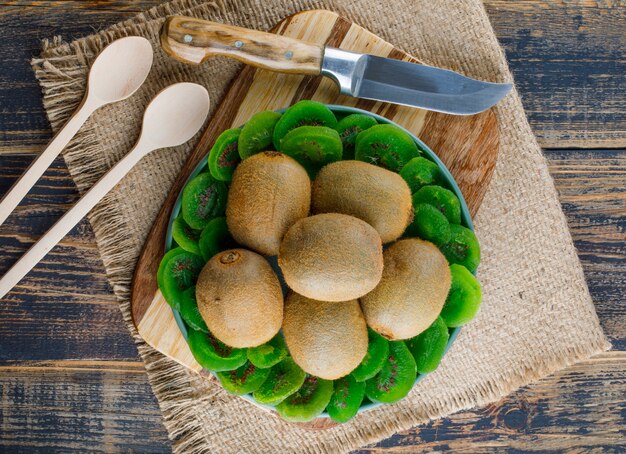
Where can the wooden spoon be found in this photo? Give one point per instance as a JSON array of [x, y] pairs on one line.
[[117, 73], [173, 117]]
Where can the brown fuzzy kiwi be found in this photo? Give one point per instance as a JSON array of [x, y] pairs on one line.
[[268, 193], [239, 298], [412, 292], [378, 196], [331, 257], [326, 339]]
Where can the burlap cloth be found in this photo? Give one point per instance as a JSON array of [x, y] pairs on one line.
[[536, 317]]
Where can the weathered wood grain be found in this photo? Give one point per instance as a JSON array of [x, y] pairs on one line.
[[79, 406], [571, 77]]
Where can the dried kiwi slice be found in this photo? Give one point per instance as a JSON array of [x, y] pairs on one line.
[[463, 299], [419, 172], [177, 272], [463, 247], [224, 156], [308, 401], [303, 113], [270, 353], [396, 378], [244, 379], [377, 351], [346, 399], [442, 199], [185, 236], [285, 378], [429, 224], [387, 146], [215, 238], [203, 199], [256, 135], [349, 127], [312, 146], [189, 311], [212, 354], [429, 346]]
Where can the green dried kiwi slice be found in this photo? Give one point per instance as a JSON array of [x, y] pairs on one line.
[[386, 146], [349, 127], [215, 238], [313, 146], [203, 199], [429, 224], [396, 378], [285, 378], [243, 380], [189, 311], [256, 135], [177, 272], [214, 355], [270, 353], [185, 236], [463, 299], [429, 346], [346, 399], [307, 402], [377, 351], [303, 113], [441, 198], [420, 172], [224, 156], [463, 247]]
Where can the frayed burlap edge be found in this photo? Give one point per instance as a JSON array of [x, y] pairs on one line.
[[61, 71]]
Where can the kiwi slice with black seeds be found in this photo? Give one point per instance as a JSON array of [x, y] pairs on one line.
[[308, 401], [349, 128], [178, 270], [346, 399], [463, 299], [203, 199], [185, 236], [213, 354], [387, 146], [429, 346], [285, 378], [303, 113], [256, 135], [244, 379], [224, 156], [377, 352], [312, 146], [396, 378], [270, 353]]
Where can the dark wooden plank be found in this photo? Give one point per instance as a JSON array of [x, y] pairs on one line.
[[79, 406], [64, 308], [578, 409], [568, 61]]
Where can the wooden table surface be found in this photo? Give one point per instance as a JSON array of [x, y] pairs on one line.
[[70, 376]]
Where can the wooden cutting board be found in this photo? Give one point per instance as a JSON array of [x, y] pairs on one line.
[[467, 145]]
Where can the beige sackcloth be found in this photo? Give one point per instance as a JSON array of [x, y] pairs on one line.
[[536, 316]]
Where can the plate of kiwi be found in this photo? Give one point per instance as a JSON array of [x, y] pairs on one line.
[[320, 261]]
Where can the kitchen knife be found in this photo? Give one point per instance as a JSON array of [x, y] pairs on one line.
[[193, 40]]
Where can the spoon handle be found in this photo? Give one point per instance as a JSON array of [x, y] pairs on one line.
[[21, 187], [69, 220]]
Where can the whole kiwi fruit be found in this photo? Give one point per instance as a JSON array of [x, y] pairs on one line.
[[331, 257], [240, 298], [268, 193], [378, 196], [412, 291], [326, 339]]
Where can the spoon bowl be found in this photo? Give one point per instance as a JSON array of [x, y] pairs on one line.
[[175, 115], [120, 69]]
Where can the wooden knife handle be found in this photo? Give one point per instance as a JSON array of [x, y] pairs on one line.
[[194, 40]]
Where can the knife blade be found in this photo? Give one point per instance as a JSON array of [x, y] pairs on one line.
[[359, 75]]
